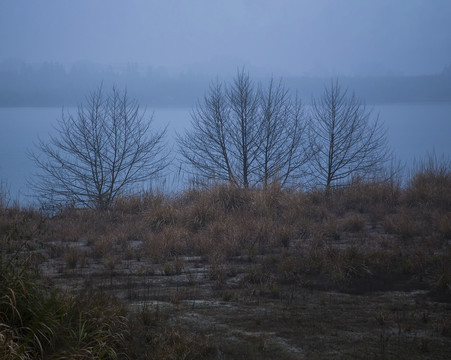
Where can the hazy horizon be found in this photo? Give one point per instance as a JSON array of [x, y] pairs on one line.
[[178, 47], [284, 38]]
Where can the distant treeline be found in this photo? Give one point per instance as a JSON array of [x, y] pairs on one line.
[[51, 84]]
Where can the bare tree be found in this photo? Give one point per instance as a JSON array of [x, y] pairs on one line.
[[207, 146], [222, 144], [346, 141], [283, 151], [244, 127], [246, 136], [100, 153]]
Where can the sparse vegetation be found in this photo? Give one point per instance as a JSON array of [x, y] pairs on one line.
[[224, 272]]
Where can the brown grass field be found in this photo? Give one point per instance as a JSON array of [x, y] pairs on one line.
[[361, 272]]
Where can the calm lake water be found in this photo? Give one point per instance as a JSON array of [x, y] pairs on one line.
[[413, 131]]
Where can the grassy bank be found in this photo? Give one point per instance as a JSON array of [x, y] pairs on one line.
[[296, 268]]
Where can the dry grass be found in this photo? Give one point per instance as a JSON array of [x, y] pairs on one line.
[[36, 323], [234, 245]]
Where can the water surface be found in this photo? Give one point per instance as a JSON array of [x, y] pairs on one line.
[[413, 131]]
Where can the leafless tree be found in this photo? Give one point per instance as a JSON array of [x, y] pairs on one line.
[[345, 139], [103, 151], [223, 141], [244, 127], [206, 146], [283, 151], [246, 136]]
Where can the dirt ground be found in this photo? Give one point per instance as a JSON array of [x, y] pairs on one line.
[[240, 317]]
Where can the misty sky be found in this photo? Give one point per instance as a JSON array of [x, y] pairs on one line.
[[320, 37]]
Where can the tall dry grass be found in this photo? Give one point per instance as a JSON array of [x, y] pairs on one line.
[[366, 236], [38, 322]]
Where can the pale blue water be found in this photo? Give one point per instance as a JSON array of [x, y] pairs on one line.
[[417, 129], [413, 131]]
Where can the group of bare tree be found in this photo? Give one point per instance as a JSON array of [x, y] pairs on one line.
[[246, 135], [251, 135], [241, 133]]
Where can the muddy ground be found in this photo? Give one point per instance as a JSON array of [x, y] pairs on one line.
[[237, 315]]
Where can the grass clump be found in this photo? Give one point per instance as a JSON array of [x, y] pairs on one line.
[[39, 323], [430, 184]]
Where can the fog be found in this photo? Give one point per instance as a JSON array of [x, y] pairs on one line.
[[395, 55], [211, 37]]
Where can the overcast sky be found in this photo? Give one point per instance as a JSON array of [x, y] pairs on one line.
[[317, 37]]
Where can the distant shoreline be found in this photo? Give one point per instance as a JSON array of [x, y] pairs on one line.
[[52, 86]]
